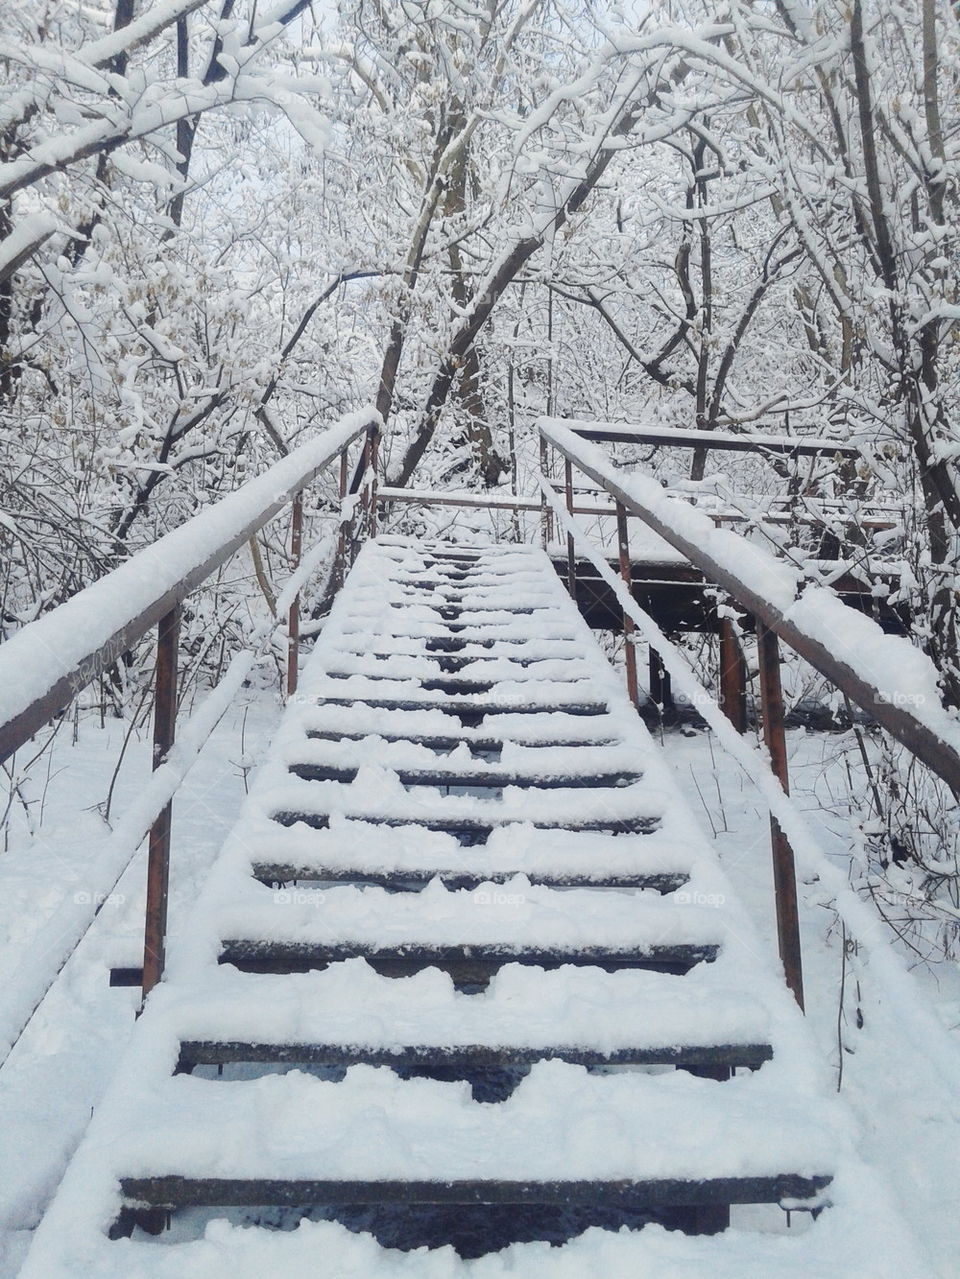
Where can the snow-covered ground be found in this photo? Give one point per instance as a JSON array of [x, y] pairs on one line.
[[58, 1070], [909, 1118]]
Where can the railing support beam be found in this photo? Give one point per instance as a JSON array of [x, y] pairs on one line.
[[661, 690], [784, 873], [571, 551], [546, 514], [629, 628], [158, 856], [371, 460], [733, 676], [293, 620]]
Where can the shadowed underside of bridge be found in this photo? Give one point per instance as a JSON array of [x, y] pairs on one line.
[[466, 971]]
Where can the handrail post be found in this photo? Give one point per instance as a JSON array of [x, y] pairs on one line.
[[341, 559], [630, 652], [571, 554], [546, 512], [733, 675], [371, 457], [158, 857], [661, 688], [293, 621], [784, 873], [355, 489]]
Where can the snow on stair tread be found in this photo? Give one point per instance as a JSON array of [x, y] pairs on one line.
[[483, 779], [394, 544], [375, 1126], [348, 845], [564, 712], [382, 647], [404, 626], [530, 763], [378, 795], [526, 1007], [469, 589], [475, 608], [537, 696], [481, 661], [533, 585], [456, 683], [865, 1246], [429, 722], [526, 918], [421, 666], [379, 600]]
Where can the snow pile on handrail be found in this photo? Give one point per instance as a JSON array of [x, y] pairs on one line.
[[78, 639], [888, 672], [835, 889]]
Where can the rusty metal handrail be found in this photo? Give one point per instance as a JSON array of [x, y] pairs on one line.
[[89, 632], [44, 665], [889, 970], [739, 566]]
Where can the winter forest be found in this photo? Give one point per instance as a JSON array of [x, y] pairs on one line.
[[225, 224]]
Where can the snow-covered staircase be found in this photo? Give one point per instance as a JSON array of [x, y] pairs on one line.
[[462, 933]]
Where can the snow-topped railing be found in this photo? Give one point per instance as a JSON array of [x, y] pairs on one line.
[[44, 665], [914, 1013], [886, 675]]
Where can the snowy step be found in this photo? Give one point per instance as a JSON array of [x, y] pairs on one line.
[[458, 596], [479, 746], [476, 779], [449, 673], [468, 583], [465, 707], [470, 830], [444, 643], [452, 602], [466, 965], [174, 1191], [518, 688], [630, 809], [398, 723], [872, 1248], [348, 1013], [423, 660], [381, 649], [477, 584], [298, 1140], [452, 685], [529, 764], [431, 629], [346, 870], [409, 856], [467, 615], [465, 932], [467, 1058]]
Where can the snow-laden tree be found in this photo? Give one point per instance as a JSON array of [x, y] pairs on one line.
[[141, 305]]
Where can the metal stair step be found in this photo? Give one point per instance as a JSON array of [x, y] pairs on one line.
[[474, 780], [467, 965], [472, 831], [405, 879], [715, 1057]]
